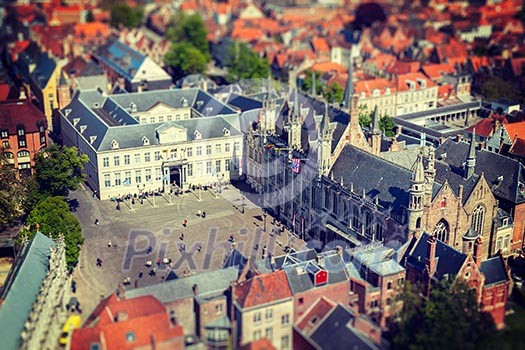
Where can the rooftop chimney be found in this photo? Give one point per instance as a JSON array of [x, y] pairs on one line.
[[478, 245]]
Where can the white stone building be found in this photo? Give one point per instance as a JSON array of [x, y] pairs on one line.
[[153, 140]]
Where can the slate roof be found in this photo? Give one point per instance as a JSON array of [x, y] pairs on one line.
[[121, 58], [182, 288], [449, 260], [243, 103], [301, 275], [21, 289], [388, 182], [235, 259], [334, 332], [492, 165], [16, 112], [106, 118], [494, 271], [43, 70]]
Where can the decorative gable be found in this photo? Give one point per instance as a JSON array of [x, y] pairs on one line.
[[145, 141], [171, 133], [114, 144], [197, 135]]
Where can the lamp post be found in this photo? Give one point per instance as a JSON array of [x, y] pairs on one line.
[[264, 220]]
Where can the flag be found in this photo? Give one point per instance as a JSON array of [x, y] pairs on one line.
[[126, 182], [296, 165]]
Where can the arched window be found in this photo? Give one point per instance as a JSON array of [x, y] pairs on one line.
[[478, 215], [418, 223], [9, 155], [441, 231], [379, 232], [369, 227], [23, 154], [355, 218]]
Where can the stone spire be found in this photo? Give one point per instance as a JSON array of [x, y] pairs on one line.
[[325, 122], [314, 78], [326, 130], [375, 138], [470, 166], [294, 123], [416, 197], [349, 91]]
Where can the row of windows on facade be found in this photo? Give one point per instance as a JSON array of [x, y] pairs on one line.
[[160, 118], [173, 154], [229, 165], [20, 131], [22, 142], [268, 315]]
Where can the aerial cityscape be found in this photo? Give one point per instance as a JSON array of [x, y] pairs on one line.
[[262, 174]]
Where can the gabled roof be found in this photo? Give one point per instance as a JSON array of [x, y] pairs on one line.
[[20, 112], [335, 333], [388, 182], [207, 282], [502, 173], [43, 71], [494, 270], [449, 260], [128, 324], [262, 289], [21, 288]]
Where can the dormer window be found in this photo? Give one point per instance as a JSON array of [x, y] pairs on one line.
[[76, 121], [145, 141], [67, 112], [133, 107], [198, 135], [184, 102], [92, 139], [4, 134], [114, 144], [375, 93], [82, 128], [21, 132], [226, 132], [387, 91], [363, 95]]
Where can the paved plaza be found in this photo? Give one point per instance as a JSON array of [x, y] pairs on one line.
[[135, 229]]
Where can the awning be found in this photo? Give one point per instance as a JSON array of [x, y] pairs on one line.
[[337, 231]]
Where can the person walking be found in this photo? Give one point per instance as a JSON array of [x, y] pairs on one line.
[[185, 222], [109, 244]]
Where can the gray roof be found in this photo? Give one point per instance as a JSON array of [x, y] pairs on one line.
[[301, 275], [388, 182], [335, 332], [494, 166], [494, 271], [21, 289], [106, 118], [449, 260], [381, 260], [207, 282], [43, 70]]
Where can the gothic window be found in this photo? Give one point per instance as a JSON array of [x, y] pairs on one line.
[[379, 232], [441, 231], [345, 211], [355, 218], [369, 227], [418, 223], [327, 199], [335, 206], [478, 216]]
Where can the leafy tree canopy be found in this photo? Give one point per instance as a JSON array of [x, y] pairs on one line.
[[189, 29], [12, 193], [244, 63], [53, 217], [309, 80], [123, 14], [449, 319], [185, 59], [334, 93], [387, 125], [59, 169], [365, 116], [496, 87]]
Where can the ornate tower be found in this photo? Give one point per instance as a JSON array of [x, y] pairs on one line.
[[268, 116], [349, 90], [430, 174], [375, 138], [325, 144], [416, 197], [295, 123], [470, 165]]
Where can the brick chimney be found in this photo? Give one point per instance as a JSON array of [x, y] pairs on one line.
[[478, 251], [431, 262]]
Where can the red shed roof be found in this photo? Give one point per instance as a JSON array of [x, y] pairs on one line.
[[263, 289]]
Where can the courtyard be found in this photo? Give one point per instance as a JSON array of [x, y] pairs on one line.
[[142, 244]]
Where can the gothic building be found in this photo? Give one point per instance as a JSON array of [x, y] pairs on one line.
[[343, 191]]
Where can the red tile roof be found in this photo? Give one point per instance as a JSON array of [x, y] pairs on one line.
[[518, 147], [114, 321], [436, 71], [16, 112], [263, 289], [319, 309], [261, 344], [320, 44], [515, 130], [326, 67], [368, 86], [402, 81]]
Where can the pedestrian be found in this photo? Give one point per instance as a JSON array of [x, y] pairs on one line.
[[97, 222], [203, 214], [118, 206], [199, 213], [182, 236], [185, 222], [199, 247], [140, 274], [158, 262]]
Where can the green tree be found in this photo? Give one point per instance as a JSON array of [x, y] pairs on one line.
[[387, 125], [53, 217], [12, 193], [185, 59], [59, 169], [449, 319], [495, 87], [123, 14], [244, 63], [189, 29], [333, 93], [309, 80], [365, 117]]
